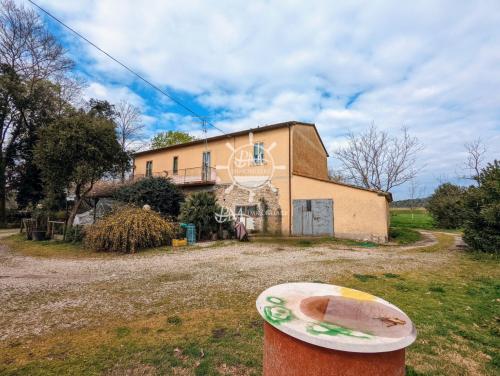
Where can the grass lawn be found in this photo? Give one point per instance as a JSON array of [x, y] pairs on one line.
[[454, 305], [406, 218], [310, 241], [60, 249], [403, 235]]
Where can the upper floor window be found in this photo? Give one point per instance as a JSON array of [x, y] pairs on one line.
[[258, 153], [149, 168], [175, 166]]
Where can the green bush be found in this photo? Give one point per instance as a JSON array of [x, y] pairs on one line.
[[129, 230], [446, 206], [482, 205], [200, 208], [75, 234], [158, 192]]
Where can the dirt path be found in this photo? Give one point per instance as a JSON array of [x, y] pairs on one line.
[[40, 295]]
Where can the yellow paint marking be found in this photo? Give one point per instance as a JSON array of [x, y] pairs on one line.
[[355, 294]]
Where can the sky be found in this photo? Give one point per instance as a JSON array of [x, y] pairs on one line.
[[431, 66]]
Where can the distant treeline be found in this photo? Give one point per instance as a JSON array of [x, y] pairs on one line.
[[415, 203]]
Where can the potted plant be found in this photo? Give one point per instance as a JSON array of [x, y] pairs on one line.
[[39, 223]]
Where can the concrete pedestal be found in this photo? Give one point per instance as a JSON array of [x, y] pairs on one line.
[[288, 356]]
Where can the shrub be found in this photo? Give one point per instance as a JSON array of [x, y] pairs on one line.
[[200, 208], [482, 205], [158, 192], [446, 206], [75, 234], [129, 230]]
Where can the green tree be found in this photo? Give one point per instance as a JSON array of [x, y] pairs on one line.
[[482, 205], [446, 206], [170, 138], [44, 108], [75, 152], [30, 57], [102, 108], [200, 208], [158, 192]]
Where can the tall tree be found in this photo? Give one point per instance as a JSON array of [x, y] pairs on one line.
[[446, 205], [375, 159], [169, 138], [75, 152], [129, 130], [29, 56], [101, 108]]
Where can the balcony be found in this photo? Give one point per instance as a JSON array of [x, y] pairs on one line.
[[186, 176]]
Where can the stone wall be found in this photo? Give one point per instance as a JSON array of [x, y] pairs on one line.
[[239, 196]]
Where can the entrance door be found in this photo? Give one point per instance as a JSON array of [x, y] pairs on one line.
[[312, 217], [205, 166]]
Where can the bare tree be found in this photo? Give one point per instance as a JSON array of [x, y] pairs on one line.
[[336, 176], [27, 46], [129, 128], [377, 160], [476, 151]]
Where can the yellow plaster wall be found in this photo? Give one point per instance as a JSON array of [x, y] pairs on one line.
[[357, 213]]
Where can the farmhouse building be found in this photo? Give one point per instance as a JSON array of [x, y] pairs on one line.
[[275, 179]]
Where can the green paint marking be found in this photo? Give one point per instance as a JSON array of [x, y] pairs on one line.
[[277, 314], [275, 300], [332, 330]]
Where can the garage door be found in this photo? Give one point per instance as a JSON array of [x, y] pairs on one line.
[[312, 217]]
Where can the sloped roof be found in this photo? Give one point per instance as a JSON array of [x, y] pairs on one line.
[[264, 128], [387, 195]]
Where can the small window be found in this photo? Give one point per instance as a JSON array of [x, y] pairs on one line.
[[175, 166], [258, 153], [246, 210], [149, 168], [308, 205]]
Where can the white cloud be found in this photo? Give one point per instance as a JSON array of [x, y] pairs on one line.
[[112, 94], [433, 66]]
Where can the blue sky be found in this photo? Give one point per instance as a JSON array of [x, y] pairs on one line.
[[432, 66]]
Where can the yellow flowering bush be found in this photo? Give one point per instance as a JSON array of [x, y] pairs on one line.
[[128, 230]]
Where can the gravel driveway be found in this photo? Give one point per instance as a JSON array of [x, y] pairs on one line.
[[42, 295]]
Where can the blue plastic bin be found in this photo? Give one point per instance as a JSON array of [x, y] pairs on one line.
[[191, 233]]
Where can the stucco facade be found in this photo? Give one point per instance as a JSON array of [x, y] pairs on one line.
[[268, 168]]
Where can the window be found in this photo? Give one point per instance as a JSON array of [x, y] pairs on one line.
[[308, 205], [149, 168], [246, 210], [258, 153], [175, 166]]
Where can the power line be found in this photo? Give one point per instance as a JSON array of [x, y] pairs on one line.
[[173, 99]]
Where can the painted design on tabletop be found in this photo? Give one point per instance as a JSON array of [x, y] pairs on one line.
[[356, 294], [332, 330], [277, 313]]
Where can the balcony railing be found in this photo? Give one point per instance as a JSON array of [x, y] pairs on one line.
[[186, 176]]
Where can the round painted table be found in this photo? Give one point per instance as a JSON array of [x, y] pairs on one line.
[[317, 329]]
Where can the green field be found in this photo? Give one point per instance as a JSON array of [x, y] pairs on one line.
[[406, 218]]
